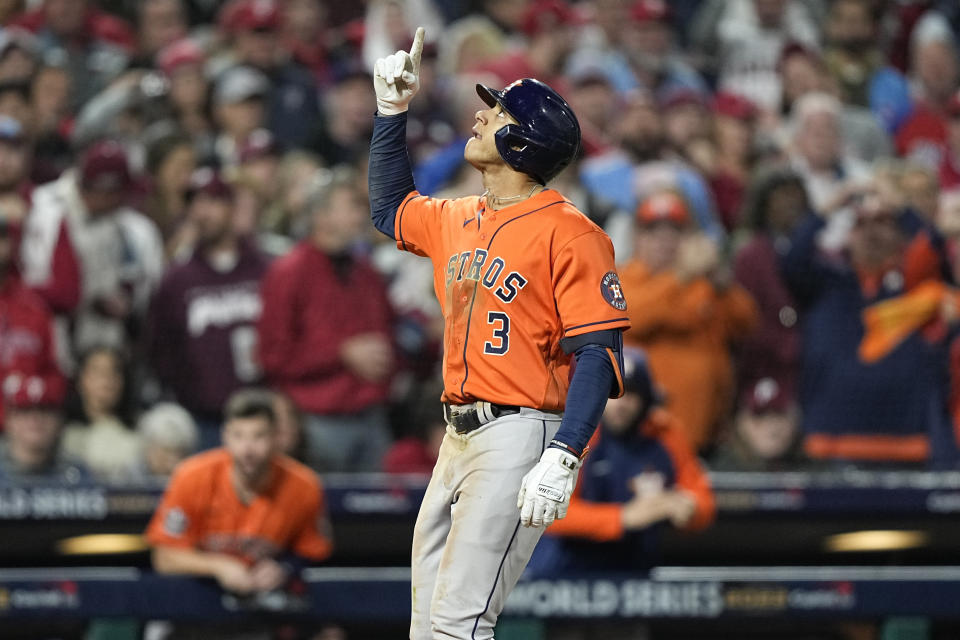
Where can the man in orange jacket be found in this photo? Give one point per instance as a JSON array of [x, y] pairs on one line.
[[685, 311], [641, 473]]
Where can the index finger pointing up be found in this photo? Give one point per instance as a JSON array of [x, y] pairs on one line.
[[417, 49]]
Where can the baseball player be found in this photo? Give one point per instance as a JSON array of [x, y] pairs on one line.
[[526, 283]]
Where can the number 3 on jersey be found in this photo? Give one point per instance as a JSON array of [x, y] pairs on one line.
[[501, 334]]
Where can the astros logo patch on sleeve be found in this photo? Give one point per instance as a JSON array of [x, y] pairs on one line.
[[175, 523], [612, 291]]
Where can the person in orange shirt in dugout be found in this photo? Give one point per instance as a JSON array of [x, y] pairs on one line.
[[243, 514], [685, 311]]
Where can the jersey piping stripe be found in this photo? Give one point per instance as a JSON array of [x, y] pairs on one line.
[[466, 337], [522, 215], [590, 324], [616, 372], [496, 579], [402, 209]]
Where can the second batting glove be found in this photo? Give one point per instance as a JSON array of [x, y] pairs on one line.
[[545, 491]]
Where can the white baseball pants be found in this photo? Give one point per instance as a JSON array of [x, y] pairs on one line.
[[468, 546]]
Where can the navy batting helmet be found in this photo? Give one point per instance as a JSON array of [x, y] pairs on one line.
[[548, 135]]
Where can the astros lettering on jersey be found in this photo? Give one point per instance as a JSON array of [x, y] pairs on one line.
[[484, 260]]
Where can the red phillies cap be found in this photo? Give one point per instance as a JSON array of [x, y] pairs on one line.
[[178, 53], [650, 11], [544, 15], [734, 106], [250, 15], [104, 167], [767, 394], [208, 180], [667, 205], [28, 392]]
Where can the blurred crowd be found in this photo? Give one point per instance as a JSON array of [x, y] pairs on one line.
[[183, 214]]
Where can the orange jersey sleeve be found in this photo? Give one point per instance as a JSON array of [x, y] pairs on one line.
[[419, 224], [690, 474], [179, 519], [587, 289], [304, 503], [597, 521]]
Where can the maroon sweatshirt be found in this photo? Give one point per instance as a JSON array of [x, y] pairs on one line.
[[310, 306], [202, 331], [773, 349]]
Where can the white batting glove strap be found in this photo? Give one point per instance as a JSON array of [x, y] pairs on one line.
[[545, 491], [396, 78]]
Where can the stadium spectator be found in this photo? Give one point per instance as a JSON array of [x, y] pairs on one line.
[[15, 102], [167, 436], [921, 189], [26, 340], [181, 63], [641, 474], [93, 259], [95, 45], [253, 27], [818, 153], [686, 117], [548, 27], [418, 451], [326, 332], [685, 311], [256, 185], [283, 215], [734, 121], [852, 55], [268, 518], [342, 134], [158, 24], [741, 40], [766, 432], [239, 109], [775, 205], [48, 101], [99, 420], [171, 160], [305, 35], [19, 54], [935, 73], [203, 317], [15, 157], [30, 450], [950, 164], [643, 163], [860, 406]]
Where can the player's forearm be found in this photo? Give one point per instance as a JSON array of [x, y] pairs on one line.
[[390, 176], [176, 561], [592, 381]]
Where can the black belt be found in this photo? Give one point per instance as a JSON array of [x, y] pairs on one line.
[[465, 418]]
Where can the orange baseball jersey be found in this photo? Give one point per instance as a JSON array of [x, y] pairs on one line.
[[201, 510], [512, 284]]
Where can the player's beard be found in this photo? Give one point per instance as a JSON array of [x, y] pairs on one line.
[[252, 472]]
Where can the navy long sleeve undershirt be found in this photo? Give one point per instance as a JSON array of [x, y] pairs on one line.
[[390, 177], [594, 380]]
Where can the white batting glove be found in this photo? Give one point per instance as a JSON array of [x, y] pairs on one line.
[[545, 491], [396, 78]]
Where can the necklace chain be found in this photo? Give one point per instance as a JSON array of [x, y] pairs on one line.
[[497, 200]]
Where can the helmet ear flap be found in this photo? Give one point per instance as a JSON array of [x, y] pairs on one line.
[[519, 149]]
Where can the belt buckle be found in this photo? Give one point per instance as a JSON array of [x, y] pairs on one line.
[[463, 420]]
